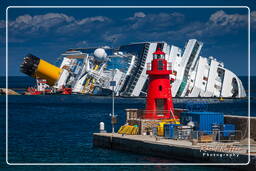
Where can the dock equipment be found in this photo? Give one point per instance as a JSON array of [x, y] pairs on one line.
[[169, 130], [129, 130], [203, 120], [227, 129]]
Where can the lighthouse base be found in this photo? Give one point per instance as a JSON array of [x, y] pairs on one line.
[[148, 126]]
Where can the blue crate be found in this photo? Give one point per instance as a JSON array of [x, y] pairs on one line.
[[169, 130], [228, 129], [203, 120], [154, 131]]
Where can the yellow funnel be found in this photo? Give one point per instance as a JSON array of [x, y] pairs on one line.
[[48, 71], [38, 68]]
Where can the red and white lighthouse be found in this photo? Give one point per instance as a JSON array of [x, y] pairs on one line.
[[159, 97]]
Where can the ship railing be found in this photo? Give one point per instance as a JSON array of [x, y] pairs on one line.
[[227, 137], [211, 136], [98, 76], [95, 73]]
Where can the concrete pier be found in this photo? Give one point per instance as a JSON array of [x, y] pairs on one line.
[[231, 153]]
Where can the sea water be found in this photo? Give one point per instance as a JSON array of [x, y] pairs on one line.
[[59, 128]]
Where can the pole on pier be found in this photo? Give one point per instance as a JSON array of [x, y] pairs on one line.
[[113, 116]]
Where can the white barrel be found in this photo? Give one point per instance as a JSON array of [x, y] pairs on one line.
[[191, 123], [102, 127]]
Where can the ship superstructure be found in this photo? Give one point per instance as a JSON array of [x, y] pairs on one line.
[[91, 70]]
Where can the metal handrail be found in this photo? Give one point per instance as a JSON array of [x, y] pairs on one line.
[[237, 135], [140, 112], [168, 66]]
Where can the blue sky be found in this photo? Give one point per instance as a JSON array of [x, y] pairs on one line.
[[47, 32]]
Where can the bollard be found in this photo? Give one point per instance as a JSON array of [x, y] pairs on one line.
[[102, 127]]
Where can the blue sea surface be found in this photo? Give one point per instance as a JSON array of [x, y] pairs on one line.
[[59, 128]]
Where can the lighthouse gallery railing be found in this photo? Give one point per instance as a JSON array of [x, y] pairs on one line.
[[139, 113], [168, 66]]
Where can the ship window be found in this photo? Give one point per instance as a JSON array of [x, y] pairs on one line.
[[160, 88], [205, 78]]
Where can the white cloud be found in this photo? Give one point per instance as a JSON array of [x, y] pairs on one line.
[[113, 37], [92, 19], [139, 14], [82, 43], [138, 27], [253, 19], [156, 21], [220, 18], [84, 25], [220, 23], [2, 24], [28, 24], [253, 16], [34, 23]]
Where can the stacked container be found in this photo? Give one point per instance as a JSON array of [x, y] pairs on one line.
[[203, 120]]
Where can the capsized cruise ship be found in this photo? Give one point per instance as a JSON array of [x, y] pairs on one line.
[[101, 70]]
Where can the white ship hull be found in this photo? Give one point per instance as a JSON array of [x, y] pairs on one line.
[[193, 75]]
